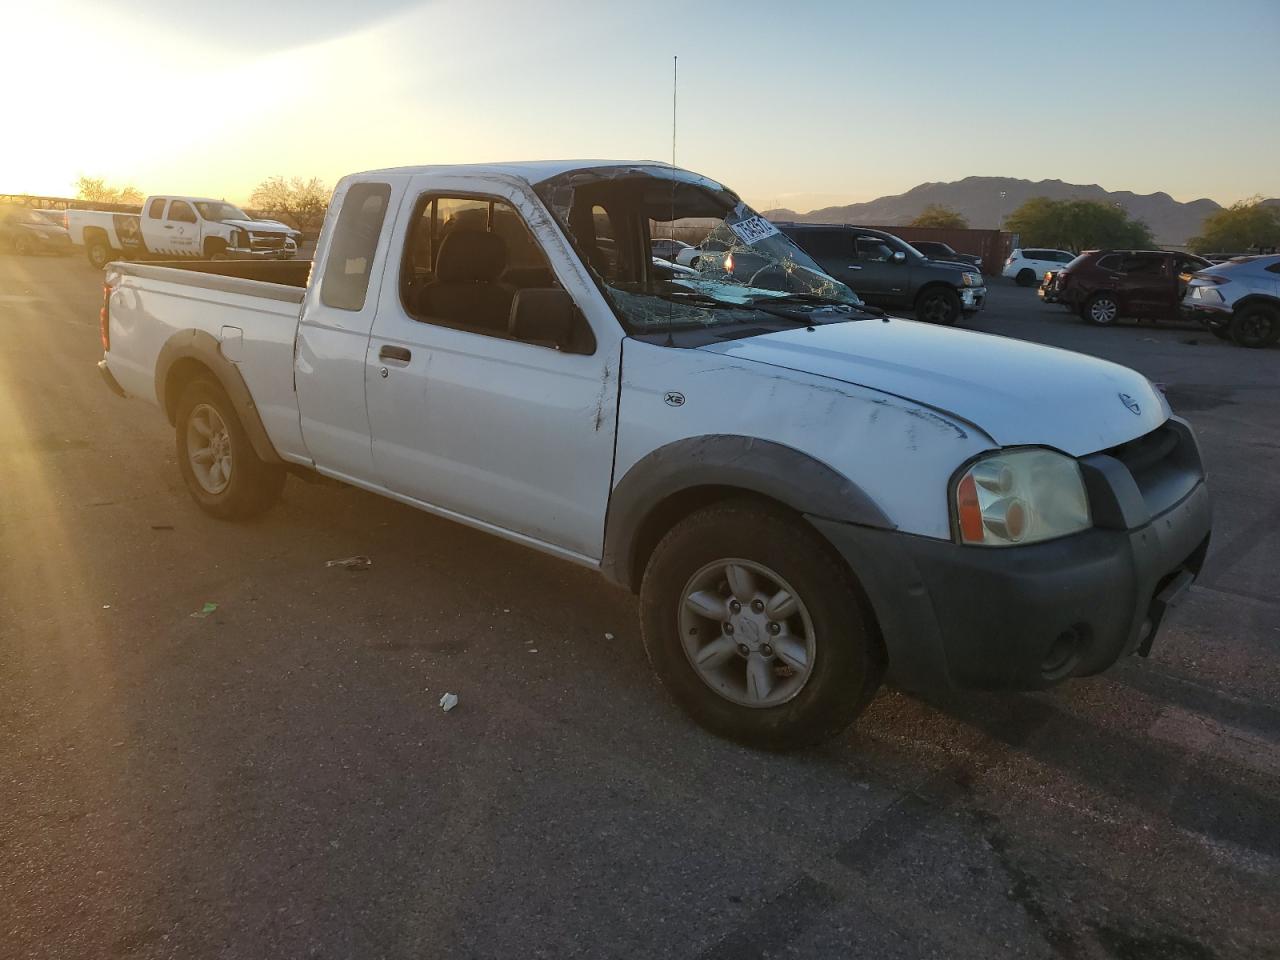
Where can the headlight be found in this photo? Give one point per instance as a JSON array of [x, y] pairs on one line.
[[1020, 496], [972, 280]]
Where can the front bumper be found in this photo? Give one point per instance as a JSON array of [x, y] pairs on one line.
[[1025, 618], [973, 299], [258, 253]]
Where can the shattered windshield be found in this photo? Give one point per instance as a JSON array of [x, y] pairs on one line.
[[739, 268], [221, 211]]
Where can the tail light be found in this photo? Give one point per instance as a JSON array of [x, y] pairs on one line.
[[104, 318]]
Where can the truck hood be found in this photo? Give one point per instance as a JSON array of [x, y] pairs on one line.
[[1016, 392], [259, 226]]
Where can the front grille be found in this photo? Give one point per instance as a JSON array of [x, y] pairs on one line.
[[1147, 451], [1164, 464], [259, 242]]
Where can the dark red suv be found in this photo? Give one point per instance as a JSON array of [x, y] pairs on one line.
[[1105, 285]]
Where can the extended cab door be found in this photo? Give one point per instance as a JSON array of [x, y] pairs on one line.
[[467, 419], [333, 333]]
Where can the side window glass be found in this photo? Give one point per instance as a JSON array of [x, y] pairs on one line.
[[355, 240], [466, 259], [1142, 265], [828, 244], [873, 249], [156, 209], [1110, 262], [181, 212]]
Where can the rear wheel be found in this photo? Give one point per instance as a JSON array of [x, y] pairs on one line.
[[1026, 277], [939, 305], [756, 628], [98, 251], [1257, 325], [1102, 310], [222, 471]]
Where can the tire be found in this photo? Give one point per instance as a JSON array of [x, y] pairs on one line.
[[215, 248], [829, 625], [940, 305], [1257, 325], [1026, 277], [1101, 310], [98, 251], [241, 485]]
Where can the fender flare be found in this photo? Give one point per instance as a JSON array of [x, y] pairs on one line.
[[204, 349], [782, 473]]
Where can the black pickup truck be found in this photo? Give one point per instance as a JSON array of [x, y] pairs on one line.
[[887, 271]]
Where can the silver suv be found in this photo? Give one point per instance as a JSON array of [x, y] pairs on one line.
[[1238, 300]]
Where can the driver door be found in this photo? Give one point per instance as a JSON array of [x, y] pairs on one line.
[[883, 281], [181, 230]]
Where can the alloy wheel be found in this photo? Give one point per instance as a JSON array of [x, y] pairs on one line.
[[209, 448], [746, 632]]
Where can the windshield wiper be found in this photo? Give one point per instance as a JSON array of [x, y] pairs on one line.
[[692, 296]]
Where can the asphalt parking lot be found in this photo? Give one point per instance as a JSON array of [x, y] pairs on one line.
[[275, 779]]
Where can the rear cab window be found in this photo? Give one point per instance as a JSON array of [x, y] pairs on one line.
[[355, 241]]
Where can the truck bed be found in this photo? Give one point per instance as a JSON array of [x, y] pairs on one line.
[[249, 307]]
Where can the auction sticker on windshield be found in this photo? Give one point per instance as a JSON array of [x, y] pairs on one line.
[[753, 229]]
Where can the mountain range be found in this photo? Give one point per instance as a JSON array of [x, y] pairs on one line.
[[979, 201]]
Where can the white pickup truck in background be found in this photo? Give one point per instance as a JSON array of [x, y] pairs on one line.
[[174, 227], [804, 494]]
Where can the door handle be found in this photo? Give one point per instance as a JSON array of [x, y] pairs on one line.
[[168, 226], [396, 354], [853, 266]]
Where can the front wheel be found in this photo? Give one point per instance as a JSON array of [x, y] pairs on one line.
[[938, 305], [756, 628], [1255, 326], [1102, 310], [223, 473]]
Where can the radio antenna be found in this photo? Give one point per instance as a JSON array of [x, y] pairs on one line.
[[671, 224]]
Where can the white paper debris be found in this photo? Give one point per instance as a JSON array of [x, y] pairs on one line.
[[448, 702]]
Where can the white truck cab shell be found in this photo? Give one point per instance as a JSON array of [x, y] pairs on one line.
[[861, 427]]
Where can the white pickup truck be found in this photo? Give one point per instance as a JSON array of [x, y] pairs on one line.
[[805, 494], [177, 227]]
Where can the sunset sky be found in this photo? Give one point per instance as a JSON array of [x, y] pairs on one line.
[[791, 103]]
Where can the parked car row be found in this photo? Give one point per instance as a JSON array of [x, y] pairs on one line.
[[1238, 299]]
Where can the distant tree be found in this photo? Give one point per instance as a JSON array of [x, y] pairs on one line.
[[937, 215], [1077, 225], [300, 203], [96, 190], [1241, 227]]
